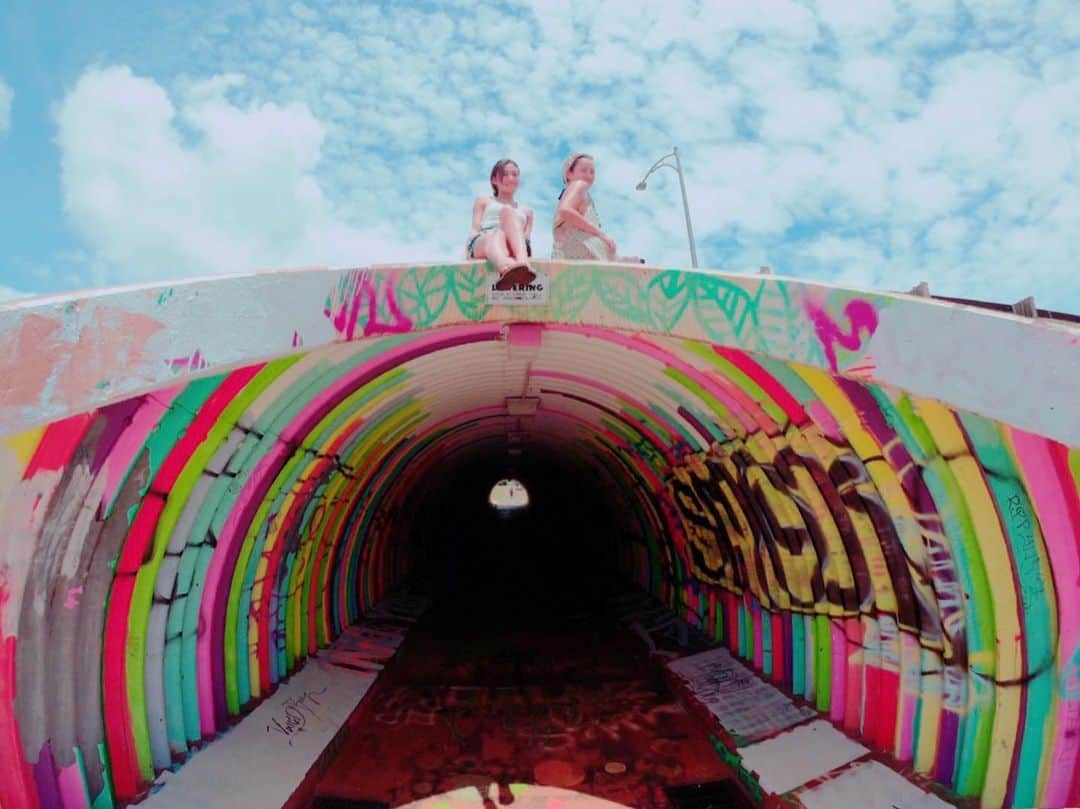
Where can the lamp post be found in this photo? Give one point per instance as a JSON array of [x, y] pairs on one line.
[[662, 163]]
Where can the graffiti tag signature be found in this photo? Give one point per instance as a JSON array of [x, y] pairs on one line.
[[295, 714]]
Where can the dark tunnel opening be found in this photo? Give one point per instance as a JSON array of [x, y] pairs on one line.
[[545, 562]]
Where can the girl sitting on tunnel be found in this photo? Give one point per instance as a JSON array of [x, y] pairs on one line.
[[501, 228], [576, 231]]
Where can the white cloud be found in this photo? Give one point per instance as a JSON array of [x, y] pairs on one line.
[[866, 19], [207, 186], [7, 96], [882, 142]]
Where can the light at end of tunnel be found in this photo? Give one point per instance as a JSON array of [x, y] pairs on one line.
[[508, 494]]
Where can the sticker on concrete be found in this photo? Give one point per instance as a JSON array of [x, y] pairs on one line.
[[533, 293], [749, 708], [869, 785], [799, 755]]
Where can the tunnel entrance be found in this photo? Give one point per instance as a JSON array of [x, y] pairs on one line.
[[519, 678], [205, 532], [504, 568]]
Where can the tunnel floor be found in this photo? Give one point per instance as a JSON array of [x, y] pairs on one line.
[[476, 702]]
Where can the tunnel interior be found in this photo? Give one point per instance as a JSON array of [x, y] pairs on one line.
[[529, 676], [884, 530], [549, 559]]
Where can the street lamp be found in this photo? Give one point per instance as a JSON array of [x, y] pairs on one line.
[[662, 163]]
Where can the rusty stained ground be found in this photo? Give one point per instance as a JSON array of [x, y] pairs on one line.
[[570, 711]]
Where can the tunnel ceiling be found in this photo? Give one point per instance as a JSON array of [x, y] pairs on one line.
[[875, 497]]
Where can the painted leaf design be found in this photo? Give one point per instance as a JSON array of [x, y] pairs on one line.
[[783, 328], [468, 286], [422, 294], [624, 295], [570, 292], [669, 294], [723, 309]]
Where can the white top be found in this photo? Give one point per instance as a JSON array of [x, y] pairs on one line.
[[492, 212]]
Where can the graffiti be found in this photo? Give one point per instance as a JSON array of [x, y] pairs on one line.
[[861, 316], [869, 546], [1028, 563], [295, 712], [366, 300], [747, 708], [196, 362]]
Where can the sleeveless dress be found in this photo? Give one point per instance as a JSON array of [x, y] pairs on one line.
[[490, 220], [570, 243]]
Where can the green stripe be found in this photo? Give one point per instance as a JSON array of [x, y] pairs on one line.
[[798, 655], [1031, 567], [173, 424], [823, 660], [738, 377], [976, 725]]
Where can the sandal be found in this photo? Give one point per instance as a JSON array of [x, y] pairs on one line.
[[519, 274]]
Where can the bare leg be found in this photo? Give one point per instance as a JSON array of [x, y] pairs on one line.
[[492, 246], [515, 234], [519, 271], [496, 248]]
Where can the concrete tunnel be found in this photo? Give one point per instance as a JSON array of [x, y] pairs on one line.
[[871, 500]]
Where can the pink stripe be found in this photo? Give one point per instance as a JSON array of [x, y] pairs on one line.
[[57, 444], [824, 419], [1045, 468], [132, 439], [871, 645], [910, 665], [72, 788], [779, 645], [759, 656], [853, 701], [777, 392], [758, 418], [526, 334], [839, 670]]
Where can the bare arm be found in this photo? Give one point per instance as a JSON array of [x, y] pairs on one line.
[[477, 214], [528, 222], [568, 209]]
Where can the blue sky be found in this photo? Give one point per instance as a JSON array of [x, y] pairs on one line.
[[876, 143]]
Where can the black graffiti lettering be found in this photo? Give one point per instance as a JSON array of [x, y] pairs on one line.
[[295, 712]]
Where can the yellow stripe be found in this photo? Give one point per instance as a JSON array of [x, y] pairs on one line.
[[952, 444]]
